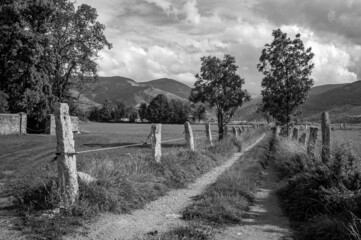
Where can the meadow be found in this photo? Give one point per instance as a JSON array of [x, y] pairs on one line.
[[20, 154]]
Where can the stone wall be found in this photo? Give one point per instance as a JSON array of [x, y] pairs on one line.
[[50, 124], [13, 124]]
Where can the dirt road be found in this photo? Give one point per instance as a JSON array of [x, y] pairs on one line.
[[265, 220]]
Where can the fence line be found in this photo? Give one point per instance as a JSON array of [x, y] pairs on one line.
[[134, 145]]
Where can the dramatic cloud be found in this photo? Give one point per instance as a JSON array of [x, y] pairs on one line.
[[166, 38]]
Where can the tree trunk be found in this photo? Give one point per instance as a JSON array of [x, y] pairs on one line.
[[220, 125]]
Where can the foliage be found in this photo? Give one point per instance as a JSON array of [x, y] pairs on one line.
[[158, 109], [47, 49], [132, 113], [219, 85], [4, 105], [198, 111], [322, 200], [142, 112], [179, 111], [287, 67]]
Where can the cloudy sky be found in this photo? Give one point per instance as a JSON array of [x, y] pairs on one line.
[[166, 38]]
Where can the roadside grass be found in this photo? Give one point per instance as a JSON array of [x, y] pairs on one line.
[[226, 201], [322, 201], [125, 181]]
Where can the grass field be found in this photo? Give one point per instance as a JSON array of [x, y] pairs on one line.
[[19, 154]]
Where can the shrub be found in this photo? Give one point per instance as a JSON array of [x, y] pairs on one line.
[[322, 200]]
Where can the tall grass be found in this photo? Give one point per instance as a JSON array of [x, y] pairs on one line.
[[321, 200]]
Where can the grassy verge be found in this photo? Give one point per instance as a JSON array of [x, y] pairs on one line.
[[227, 200], [323, 201], [123, 184]]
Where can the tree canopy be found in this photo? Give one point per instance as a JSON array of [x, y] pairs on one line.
[[219, 85], [47, 49], [286, 66]]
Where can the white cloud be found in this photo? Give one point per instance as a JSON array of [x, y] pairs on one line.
[[166, 38]]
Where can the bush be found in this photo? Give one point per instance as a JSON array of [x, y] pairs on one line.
[[322, 200]]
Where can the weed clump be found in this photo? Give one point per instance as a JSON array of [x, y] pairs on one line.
[[321, 200]]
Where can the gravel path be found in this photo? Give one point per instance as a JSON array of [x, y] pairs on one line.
[[158, 216], [265, 220]]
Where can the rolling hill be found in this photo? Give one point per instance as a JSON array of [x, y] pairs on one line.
[[343, 101], [134, 93]]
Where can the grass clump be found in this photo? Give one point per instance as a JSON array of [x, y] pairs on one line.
[[225, 201], [321, 200], [192, 232]]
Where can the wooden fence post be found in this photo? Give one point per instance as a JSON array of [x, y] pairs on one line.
[[326, 137], [189, 135], [209, 133], [66, 157], [295, 134], [157, 142], [235, 132], [302, 139], [312, 139]]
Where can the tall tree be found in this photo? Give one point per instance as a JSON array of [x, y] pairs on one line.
[[24, 46], [47, 49], [287, 67], [178, 111], [219, 85], [76, 39], [158, 109], [142, 111]]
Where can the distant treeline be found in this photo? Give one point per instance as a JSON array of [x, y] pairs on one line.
[[160, 110]]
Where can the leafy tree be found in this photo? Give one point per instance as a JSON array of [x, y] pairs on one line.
[[105, 113], [77, 38], [142, 111], [158, 109], [119, 112], [287, 67], [198, 112], [178, 111], [24, 45], [94, 114], [219, 85], [47, 48], [132, 113]]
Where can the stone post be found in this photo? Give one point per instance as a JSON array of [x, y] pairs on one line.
[[326, 137], [209, 133], [157, 142], [23, 123], [295, 134], [66, 156], [278, 131], [189, 136], [235, 132], [312, 140], [302, 139]]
